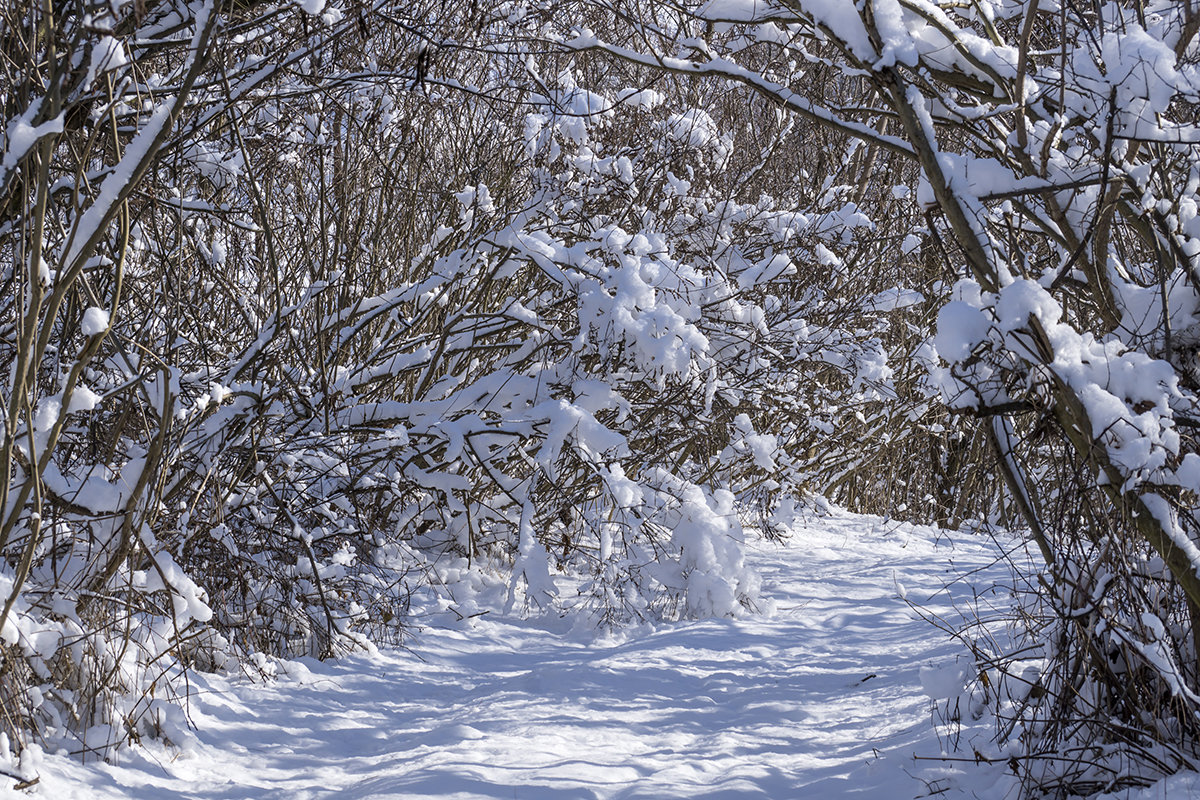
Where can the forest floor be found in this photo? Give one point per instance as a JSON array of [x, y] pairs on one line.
[[822, 694]]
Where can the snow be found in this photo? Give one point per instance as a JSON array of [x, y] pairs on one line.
[[960, 327], [95, 320], [644, 99], [821, 693], [107, 54], [21, 137], [943, 682], [736, 10], [311, 7], [1184, 785], [83, 399]]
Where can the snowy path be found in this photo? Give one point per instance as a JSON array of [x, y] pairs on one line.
[[819, 699]]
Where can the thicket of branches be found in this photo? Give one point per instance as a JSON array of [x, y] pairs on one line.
[[1057, 144], [303, 300]]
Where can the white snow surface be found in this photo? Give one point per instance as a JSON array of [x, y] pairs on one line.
[[821, 695], [95, 320]]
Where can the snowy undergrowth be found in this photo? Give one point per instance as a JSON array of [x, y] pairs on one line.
[[825, 692], [558, 371]]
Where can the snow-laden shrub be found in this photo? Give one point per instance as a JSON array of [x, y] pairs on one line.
[[1057, 152], [308, 306]]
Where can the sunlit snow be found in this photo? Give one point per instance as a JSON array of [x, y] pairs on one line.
[[822, 694]]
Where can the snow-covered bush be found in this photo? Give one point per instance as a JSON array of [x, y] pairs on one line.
[[305, 301], [1057, 149]]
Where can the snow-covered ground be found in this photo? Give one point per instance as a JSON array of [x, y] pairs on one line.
[[819, 696]]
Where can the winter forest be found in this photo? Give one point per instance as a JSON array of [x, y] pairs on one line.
[[316, 314]]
